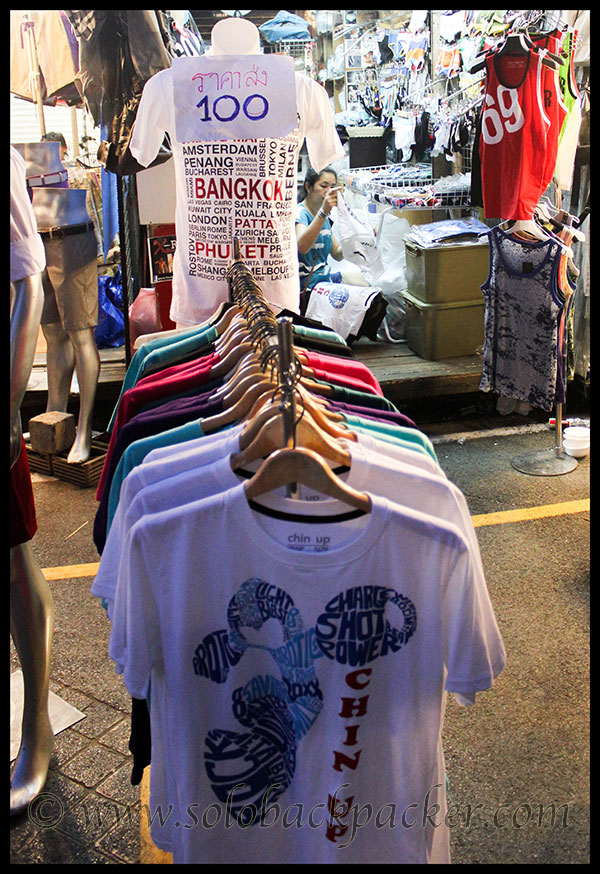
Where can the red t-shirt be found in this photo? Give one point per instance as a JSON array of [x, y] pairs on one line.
[[22, 518], [556, 112], [169, 383], [346, 368], [179, 379]]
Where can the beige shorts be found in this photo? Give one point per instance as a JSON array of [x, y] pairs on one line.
[[70, 282]]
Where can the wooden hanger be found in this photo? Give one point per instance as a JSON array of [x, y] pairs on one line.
[[318, 388], [227, 364], [223, 321], [236, 333], [265, 409], [244, 384], [286, 467], [238, 410], [307, 434], [248, 363], [326, 418]]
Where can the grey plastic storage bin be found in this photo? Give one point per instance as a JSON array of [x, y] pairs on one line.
[[446, 274], [444, 330]]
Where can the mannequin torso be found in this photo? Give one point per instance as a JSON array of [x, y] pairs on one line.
[[44, 166], [234, 36], [60, 207]]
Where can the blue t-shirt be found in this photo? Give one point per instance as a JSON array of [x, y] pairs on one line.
[[317, 254]]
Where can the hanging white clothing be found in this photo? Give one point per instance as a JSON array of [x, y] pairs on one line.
[[276, 654]]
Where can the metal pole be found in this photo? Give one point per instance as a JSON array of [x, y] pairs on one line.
[[288, 395], [34, 67], [125, 259], [286, 380]]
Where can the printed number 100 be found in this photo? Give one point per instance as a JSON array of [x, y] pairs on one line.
[[235, 111]]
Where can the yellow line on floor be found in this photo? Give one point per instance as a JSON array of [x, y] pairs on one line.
[[527, 513], [70, 571], [565, 508]]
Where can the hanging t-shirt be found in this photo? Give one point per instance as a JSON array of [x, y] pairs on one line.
[[514, 129], [235, 187], [276, 670], [556, 111], [522, 307], [27, 253], [186, 476]]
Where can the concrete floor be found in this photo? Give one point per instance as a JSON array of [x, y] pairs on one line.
[[523, 748]]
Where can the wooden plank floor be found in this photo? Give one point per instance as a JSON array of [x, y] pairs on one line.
[[402, 374]]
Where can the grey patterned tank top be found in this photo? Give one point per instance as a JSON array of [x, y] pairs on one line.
[[523, 303]]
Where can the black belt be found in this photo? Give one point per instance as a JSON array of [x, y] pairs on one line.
[[59, 233]]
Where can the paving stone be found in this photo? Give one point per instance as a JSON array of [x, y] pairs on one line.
[[94, 764]]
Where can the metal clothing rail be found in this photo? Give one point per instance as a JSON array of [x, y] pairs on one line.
[[274, 339]]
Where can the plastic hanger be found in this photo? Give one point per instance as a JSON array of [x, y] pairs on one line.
[[516, 44], [567, 219], [286, 467], [530, 226]]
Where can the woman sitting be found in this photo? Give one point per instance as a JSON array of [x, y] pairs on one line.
[[313, 231]]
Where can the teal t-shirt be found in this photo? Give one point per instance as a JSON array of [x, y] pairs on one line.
[[411, 436], [136, 365], [138, 450]]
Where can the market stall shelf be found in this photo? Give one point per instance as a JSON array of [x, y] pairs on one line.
[[403, 375]]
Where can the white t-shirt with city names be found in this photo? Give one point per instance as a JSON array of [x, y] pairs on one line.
[[241, 187]]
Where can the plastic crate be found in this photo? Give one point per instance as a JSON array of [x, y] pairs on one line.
[[446, 274], [444, 330]]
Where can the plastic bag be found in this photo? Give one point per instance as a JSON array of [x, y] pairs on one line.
[[285, 25], [110, 330], [144, 316], [358, 242], [350, 310], [392, 279]]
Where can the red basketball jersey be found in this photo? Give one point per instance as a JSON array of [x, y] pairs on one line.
[[554, 104], [514, 132]]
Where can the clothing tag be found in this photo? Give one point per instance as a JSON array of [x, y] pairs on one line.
[[527, 267], [303, 542]]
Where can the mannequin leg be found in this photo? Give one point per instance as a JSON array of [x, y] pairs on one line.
[[60, 357], [31, 627], [87, 367]]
